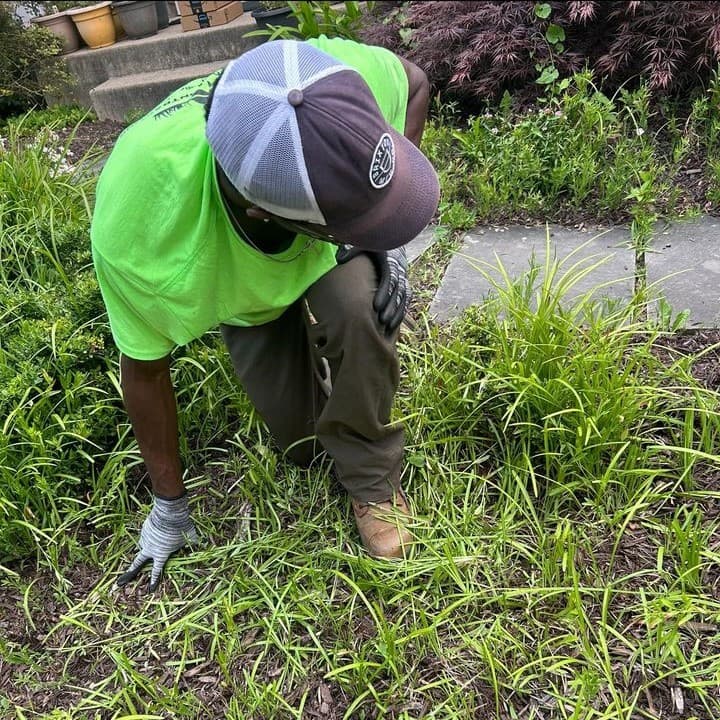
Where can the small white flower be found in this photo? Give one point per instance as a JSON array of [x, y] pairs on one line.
[[639, 131]]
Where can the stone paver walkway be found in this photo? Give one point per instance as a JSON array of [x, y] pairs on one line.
[[683, 264]]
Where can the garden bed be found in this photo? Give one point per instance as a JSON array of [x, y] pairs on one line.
[[565, 480], [99, 135]]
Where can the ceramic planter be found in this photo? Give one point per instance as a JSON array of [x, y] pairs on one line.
[[95, 24], [278, 16], [138, 17], [60, 24], [163, 15], [119, 29]]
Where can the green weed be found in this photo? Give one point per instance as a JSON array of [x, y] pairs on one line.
[[56, 117], [578, 149]]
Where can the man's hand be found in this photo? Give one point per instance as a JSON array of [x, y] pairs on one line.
[[393, 294], [166, 529]]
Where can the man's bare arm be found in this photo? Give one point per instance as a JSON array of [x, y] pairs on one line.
[[150, 402], [418, 101]]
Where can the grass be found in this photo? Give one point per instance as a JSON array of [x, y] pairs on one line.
[[565, 482]]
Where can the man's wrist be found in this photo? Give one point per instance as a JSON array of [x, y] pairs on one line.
[[166, 479], [170, 498], [171, 515]]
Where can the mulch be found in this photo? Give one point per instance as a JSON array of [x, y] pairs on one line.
[[704, 345], [96, 136]]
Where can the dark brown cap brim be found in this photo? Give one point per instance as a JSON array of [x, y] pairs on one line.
[[404, 208]]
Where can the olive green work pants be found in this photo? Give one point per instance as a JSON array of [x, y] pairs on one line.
[[280, 367]]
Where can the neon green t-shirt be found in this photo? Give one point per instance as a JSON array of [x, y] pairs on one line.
[[168, 260]]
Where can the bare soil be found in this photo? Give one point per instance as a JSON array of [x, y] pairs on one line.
[[99, 135]]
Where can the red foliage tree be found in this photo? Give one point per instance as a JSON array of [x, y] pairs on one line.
[[473, 51]]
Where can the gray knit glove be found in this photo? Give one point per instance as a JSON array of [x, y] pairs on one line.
[[393, 294], [166, 529]]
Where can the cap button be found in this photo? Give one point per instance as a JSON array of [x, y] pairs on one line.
[[295, 97]]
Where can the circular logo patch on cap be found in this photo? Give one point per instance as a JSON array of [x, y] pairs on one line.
[[382, 166]]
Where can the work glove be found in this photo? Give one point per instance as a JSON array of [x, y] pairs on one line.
[[393, 294], [166, 529]]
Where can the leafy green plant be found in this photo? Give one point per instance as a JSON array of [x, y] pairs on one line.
[[318, 18], [687, 540], [52, 346], [555, 37], [566, 392], [56, 117], [41, 190], [578, 149]]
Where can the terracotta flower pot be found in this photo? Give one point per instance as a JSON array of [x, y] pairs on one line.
[[95, 24], [61, 25], [138, 17]]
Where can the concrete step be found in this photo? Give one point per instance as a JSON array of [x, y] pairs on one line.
[[170, 48], [116, 98]]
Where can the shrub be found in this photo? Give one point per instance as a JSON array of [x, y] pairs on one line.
[[473, 52], [28, 64], [57, 400], [577, 150]]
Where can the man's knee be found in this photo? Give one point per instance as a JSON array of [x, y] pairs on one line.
[[344, 301]]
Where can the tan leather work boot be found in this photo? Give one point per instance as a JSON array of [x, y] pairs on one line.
[[383, 526]]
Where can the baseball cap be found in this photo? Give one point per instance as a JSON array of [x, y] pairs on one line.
[[299, 134]]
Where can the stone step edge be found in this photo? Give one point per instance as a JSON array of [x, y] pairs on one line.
[[158, 77]]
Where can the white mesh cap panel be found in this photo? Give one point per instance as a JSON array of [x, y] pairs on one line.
[[263, 64], [277, 179], [313, 64], [231, 146], [253, 131]]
